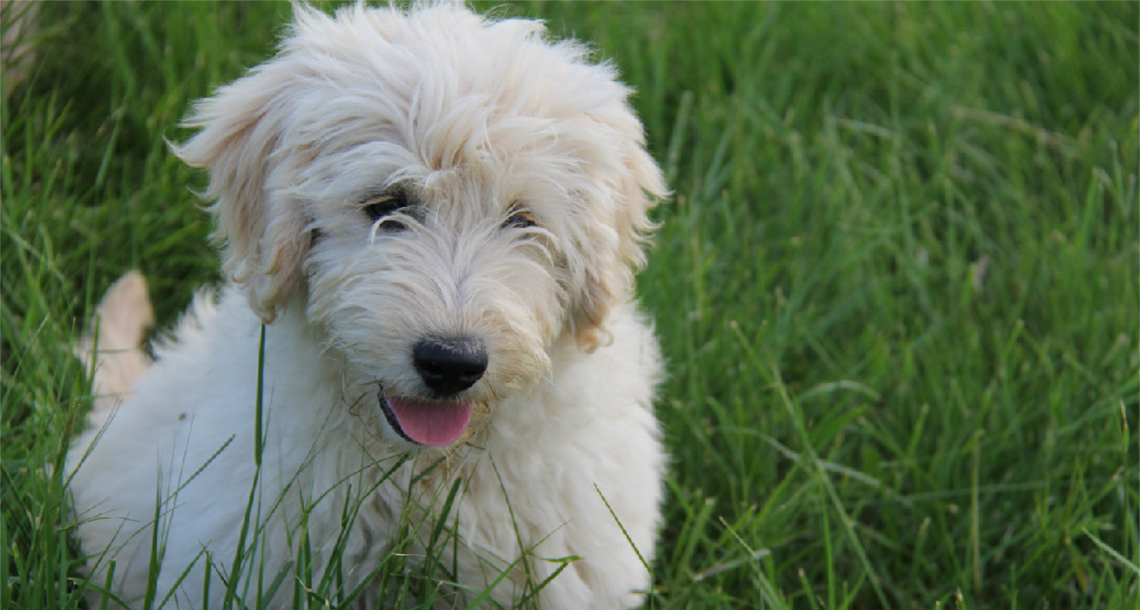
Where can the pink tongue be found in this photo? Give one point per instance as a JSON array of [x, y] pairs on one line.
[[435, 424]]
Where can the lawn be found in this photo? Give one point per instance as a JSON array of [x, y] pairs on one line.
[[898, 283]]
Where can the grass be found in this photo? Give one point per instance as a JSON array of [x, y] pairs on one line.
[[898, 283]]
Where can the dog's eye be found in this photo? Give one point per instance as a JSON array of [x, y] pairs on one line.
[[519, 219], [379, 207]]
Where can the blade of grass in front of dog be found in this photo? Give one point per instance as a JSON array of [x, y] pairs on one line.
[[327, 580], [106, 591], [623, 531], [258, 439], [155, 524], [381, 572], [523, 551], [303, 574], [441, 518], [347, 518], [107, 582], [155, 556], [485, 594], [236, 567], [370, 580], [432, 562], [455, 548], [426, 471], [333, 576], [234, 576], [346, 478], [255, 557], [207, 571], [197, 472], [563, 563], [628, 539], [266, 596], [181, 577]]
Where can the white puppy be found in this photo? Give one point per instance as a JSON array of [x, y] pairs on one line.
[[431, 222]]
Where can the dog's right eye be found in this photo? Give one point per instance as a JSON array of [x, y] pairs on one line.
[[380, 207]]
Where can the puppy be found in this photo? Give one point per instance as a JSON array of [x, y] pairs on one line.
[[428, 354]]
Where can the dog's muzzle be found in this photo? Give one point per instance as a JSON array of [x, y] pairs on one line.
[[447, 367]]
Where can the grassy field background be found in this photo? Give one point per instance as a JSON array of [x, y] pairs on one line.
[[898, 283]]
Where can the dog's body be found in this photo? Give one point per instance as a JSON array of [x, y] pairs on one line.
[[436, 215]]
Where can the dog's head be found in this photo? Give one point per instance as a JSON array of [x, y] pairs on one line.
[[445, 195]]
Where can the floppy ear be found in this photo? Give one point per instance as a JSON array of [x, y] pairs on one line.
[[637, 190], [260, 228]]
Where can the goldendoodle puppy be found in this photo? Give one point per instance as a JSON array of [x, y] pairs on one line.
[[428, 349]]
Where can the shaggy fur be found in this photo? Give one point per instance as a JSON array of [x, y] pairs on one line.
[[437, 218]]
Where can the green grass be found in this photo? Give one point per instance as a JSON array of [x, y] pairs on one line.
[[898, 283]]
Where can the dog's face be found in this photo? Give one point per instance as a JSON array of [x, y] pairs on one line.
[[445, 196]]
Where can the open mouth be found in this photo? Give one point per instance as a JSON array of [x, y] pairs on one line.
[[433, 423]]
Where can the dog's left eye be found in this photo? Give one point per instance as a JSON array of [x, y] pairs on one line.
[[379, 207], [520, 219]]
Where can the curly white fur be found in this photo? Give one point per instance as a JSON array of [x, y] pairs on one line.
[[523, 186]]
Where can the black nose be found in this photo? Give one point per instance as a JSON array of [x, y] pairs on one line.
[[449, 366]]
